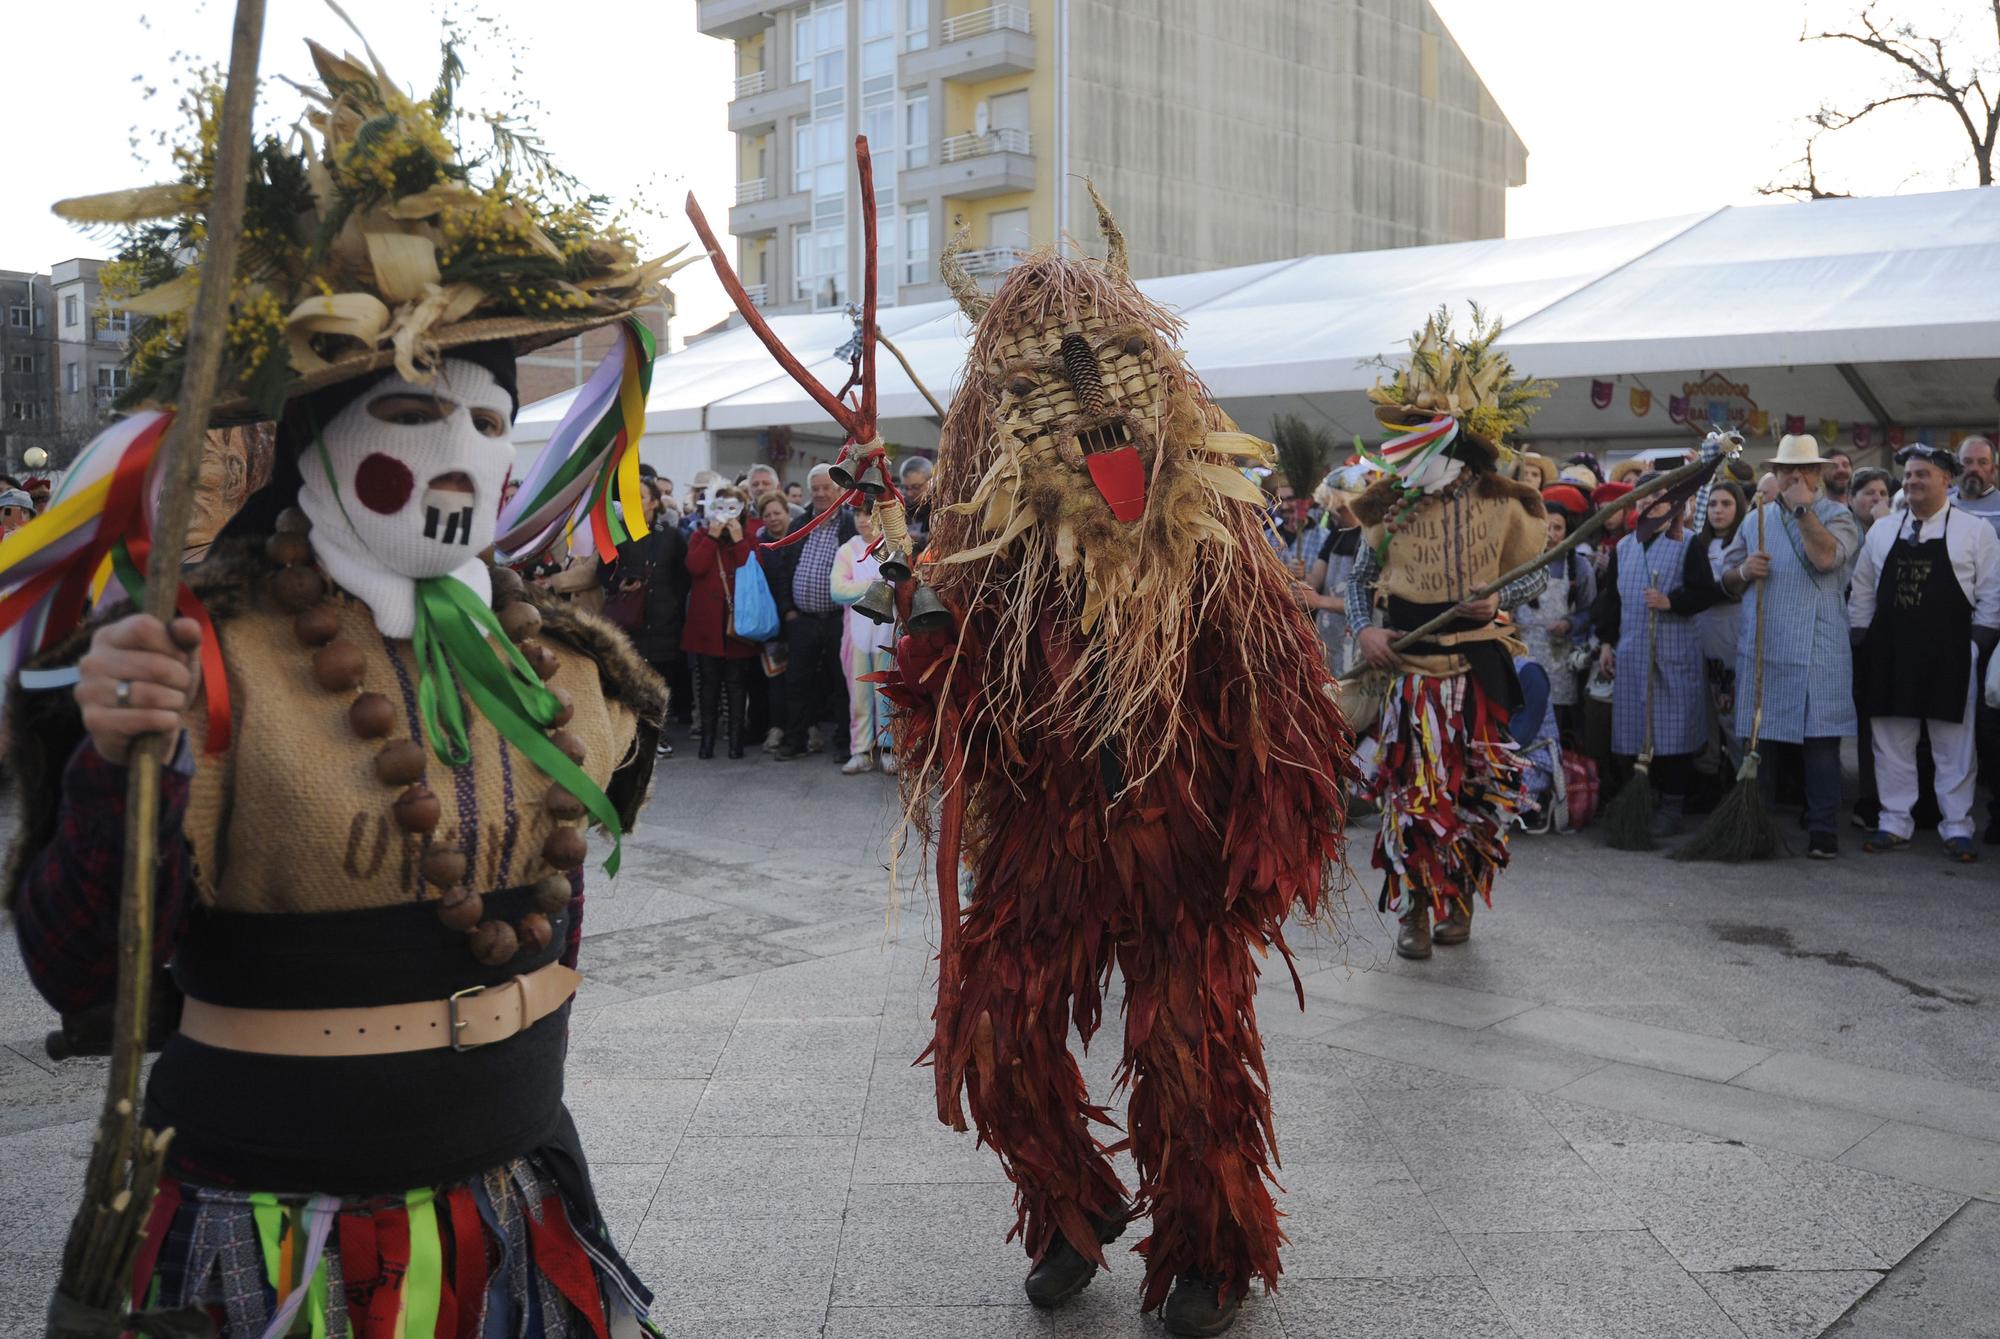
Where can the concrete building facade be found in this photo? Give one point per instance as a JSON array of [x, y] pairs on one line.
[[89, 350], [27, 364], [1220, 133]]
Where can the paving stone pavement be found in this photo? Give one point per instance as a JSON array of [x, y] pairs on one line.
[[1643, 1102]]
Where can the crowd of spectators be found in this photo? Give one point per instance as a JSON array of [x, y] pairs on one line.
[[1801, 602], [1880, 605], [674, 591]]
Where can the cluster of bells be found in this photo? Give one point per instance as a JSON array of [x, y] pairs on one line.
[[339, 666], [928, 613]]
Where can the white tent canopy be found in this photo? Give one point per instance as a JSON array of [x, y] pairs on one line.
[[1881, 311]]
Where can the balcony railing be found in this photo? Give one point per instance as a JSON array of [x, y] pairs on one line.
[[750, 85], [958, 148], [750, 192], [994, 18], [759, 294], [991, 260]]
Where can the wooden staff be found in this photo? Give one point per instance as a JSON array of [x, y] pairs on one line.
[[125, 1159], [1590, 527]]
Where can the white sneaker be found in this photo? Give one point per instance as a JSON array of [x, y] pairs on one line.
[[888, 765], [856, 765], [774, 739]]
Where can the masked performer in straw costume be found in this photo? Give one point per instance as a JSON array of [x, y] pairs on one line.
[[1441, 526], [1133, 734], [371, 852]]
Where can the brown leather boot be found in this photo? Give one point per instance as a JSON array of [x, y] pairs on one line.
[[1414, 939], [1456, 927]]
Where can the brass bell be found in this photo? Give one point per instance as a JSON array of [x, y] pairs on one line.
[[895, 566], [870, 488], [928, 613], [842, 475], [879, 603]]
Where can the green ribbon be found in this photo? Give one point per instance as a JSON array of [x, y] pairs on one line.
[[454, 645]]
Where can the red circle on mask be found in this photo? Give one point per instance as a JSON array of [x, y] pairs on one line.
[[384, 484]]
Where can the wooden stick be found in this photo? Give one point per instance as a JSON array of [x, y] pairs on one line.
[[864, 168], [1547, 556], [911, 373], [116, 1159], [761, 328]]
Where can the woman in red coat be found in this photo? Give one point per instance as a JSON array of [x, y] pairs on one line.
[[721, 545]]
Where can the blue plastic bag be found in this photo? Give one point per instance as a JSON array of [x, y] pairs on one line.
[[756, 611]]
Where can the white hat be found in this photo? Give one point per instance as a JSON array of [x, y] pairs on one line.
[[1798, 449]]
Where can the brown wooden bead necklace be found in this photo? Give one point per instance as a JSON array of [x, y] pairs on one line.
[[300, 589]]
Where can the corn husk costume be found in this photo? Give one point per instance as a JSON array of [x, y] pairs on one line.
[[371, 859], [1129, 744], [1444, 523]]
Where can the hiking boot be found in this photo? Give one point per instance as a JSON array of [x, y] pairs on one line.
[[1456, 927], [1199, 1306], [1062, 1272], [1825, 846], [1414, 939]]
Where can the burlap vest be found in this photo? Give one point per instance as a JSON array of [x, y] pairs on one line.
[[292, 818], [1449, 548]]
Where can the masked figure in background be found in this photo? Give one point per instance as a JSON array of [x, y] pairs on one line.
[[371, 845], [1132, 733], [1443, 524]]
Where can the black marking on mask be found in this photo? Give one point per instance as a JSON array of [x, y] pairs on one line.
[[456, 521]]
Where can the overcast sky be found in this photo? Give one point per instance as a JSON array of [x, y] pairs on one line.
[[1629, 111]]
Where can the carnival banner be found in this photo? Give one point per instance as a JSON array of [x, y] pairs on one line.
[[1829, 431], [1642, 402], [1677, 408], [1863, 433], [1759, 424], [1795, 424], [1600, 394], [1896, 438]]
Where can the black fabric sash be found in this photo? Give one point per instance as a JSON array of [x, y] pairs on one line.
[[1487, 661], [353, 1125]]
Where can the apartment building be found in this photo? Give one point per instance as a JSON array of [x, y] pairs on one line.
[[89, 349], [1222, 132], [27, 361]]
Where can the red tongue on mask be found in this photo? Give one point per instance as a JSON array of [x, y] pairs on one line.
[[1120, 477]]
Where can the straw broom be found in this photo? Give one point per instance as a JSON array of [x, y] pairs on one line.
[[1628, 819], [92, 1292], [1741, 827]]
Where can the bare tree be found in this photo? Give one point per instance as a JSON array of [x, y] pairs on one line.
[[1930, 69]]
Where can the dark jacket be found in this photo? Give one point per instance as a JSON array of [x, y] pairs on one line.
[[781, 564], [659, 560]]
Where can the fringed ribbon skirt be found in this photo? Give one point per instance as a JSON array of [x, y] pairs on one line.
[[497, 1256], [1449, 784]]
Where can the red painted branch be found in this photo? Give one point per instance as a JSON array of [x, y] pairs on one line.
[[864, 166], [753, 318]]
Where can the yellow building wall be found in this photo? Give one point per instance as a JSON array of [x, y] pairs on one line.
[[750, 53], [747, 155], [961, 100]]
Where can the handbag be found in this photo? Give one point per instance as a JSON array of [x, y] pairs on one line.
[[755, 613], [1579, 787], [627, 609]]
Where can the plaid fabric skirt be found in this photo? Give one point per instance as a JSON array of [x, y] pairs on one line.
[[495, 1257]]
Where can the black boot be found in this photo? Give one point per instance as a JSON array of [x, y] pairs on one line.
[[1063, 1272], [709, 691], [735, 706], [1199, 1306]]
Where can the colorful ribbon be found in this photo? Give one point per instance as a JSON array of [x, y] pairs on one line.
[[1404, 456], [99, 526], [454, 645], [592, 457]]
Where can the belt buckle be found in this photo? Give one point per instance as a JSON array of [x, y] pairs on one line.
[[458, 1024]]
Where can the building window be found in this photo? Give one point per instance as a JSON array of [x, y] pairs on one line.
[[878, 123], [885, 253], [803, 157], [878, 18], [819, 45], [917, 21], [917, 245], [917, 131], [18, 317], [21, 362], [72, 311], [72, 378], [115, 322], [110, 382], [25, 411], [830, 152]]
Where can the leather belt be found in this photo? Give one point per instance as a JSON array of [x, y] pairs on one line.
[[476, 1016]]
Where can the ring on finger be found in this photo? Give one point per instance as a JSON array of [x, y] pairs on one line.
[[122, 693]]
